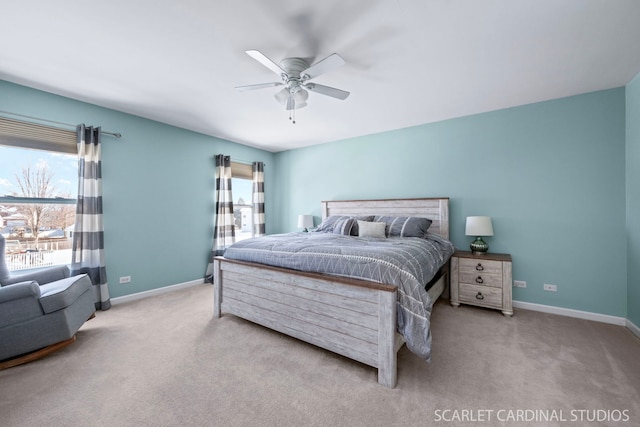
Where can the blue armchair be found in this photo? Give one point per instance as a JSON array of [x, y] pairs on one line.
[[40, 311]]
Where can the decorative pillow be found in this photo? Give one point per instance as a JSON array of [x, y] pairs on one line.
[[404, 226], [330, 223], [327, 224], [371, 229], [346, 226]]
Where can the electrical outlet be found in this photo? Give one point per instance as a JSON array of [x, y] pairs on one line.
[[519, 284], [125, 279], [550, 288]]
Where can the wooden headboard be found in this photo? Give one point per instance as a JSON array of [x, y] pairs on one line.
[[436, 209]]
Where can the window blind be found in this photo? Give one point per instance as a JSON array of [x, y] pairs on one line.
[[240, 170], [17, 133]]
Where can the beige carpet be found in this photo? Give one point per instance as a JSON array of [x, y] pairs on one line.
[[164, 361]]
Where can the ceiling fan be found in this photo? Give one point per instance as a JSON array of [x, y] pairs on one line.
[[295, 74]]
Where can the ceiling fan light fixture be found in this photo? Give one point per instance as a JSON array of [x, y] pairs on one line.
[[296, 105], [301, 96], [282, 96]]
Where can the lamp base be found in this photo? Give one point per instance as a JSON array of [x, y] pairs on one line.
[[479, 246]]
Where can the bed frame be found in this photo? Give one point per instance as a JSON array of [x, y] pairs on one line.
[[354, 318]]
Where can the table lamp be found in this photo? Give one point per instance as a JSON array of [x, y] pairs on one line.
[[305, 222], [479, 226]]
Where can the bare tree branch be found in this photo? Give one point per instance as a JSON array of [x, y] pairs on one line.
[[36, 183]]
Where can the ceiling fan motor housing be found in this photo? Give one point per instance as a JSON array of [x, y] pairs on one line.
[[293, 67]]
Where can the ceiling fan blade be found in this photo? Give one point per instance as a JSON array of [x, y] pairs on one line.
[[282, 96], [326, 90], [262, 58], [327, 64], [258, 86]]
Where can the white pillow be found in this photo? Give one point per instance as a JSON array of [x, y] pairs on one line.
[[371, 229]]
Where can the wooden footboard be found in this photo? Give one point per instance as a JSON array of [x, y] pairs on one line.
[[354, 318]]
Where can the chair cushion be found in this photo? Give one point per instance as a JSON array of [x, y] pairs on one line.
[[62, 293]]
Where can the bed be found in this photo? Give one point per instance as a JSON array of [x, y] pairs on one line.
[[352, 317]]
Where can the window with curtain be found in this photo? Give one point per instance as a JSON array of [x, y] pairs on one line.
[[239, 205], [38, 191]]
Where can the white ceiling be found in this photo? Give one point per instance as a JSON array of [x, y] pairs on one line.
[[408, 62]]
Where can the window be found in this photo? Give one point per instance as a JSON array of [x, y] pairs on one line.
[[242, 186], [38, 191], [242, 208]]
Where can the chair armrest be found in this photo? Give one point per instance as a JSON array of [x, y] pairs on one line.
[[19, 302], [29, 289], [45, 275]]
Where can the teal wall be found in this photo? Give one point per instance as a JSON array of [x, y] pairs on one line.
[[550, 174], [633, 200], [158, 185]]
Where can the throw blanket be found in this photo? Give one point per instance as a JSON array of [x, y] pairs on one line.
[[407, 262]]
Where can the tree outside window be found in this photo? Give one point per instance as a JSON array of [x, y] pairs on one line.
[[37, 207]]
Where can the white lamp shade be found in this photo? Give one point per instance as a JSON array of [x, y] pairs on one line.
[[301, 96], [305, 221], [479, 226]]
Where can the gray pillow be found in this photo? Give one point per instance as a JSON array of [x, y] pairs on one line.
[[327, 224], [336, 223], [404, 226], [345, 226]]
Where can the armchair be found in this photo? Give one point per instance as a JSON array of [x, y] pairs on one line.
[[41, 311]]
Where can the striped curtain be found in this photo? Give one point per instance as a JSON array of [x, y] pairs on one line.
[[224, 225], [258, 199], [87, 254], [224, 230]]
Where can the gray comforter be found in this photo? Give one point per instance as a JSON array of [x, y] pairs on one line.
[[407, 262]]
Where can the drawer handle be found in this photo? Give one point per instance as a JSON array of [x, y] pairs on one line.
[[479, 296], [479, 280], [479, 267]]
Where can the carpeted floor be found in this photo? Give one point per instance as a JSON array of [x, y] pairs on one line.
[[164, 361]]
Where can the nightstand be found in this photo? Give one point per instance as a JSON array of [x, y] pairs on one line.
[[482, 280]]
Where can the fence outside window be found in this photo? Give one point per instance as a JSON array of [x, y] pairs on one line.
[[22, 255], [21, 261]]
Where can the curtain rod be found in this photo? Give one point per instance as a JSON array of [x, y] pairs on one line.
[[244, 162], [114, 134]]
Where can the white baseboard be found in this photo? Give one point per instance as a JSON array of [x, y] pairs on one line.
[[153, 292], [633, 328], [604, 318]]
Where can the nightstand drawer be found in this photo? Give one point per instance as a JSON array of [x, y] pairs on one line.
[[493, 280], [481, 295], [480, 266]]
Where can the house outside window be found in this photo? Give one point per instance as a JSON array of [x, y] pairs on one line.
[[38, 192]]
